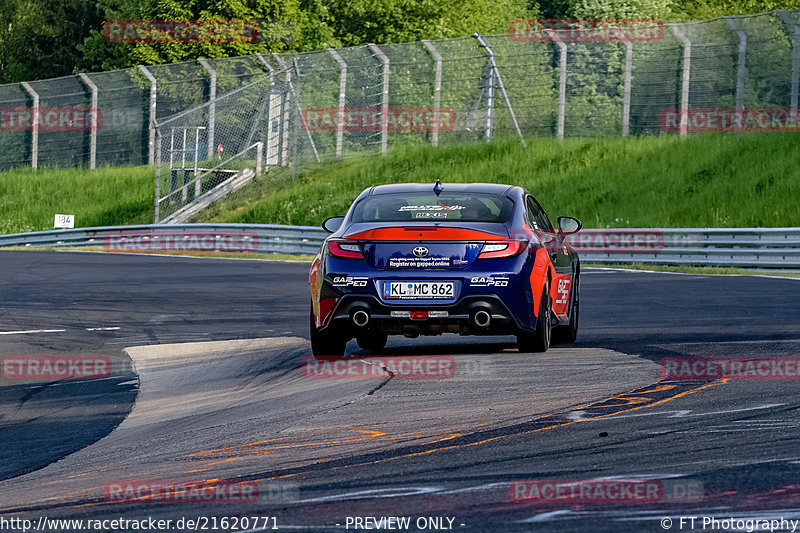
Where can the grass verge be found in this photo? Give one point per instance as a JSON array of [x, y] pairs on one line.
[[715, 180]]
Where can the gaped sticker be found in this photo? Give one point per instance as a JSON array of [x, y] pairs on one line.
[[349, 281]]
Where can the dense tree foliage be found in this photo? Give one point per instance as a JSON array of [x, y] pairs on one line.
[[48, 38]]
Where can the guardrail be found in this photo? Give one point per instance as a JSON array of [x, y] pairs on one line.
[[740, 247], [261, 238]]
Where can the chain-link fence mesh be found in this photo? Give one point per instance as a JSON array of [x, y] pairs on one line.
[[197, 165], [319, 106]]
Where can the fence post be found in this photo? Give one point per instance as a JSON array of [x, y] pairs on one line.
[[35, 124], [489, 87], [269, 67], [93, 126], [741, 63], [496, 72], [296, 91], [158, 174], [342, 89], [212, 106], [273, 119], [792, 23], [562, 83], [626, 98], [152, 116], [385, 100], [437, 90], [685, 77], [286, 113], [259, 157]]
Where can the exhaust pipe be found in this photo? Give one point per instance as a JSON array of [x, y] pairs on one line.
[[360, 318], [481, 318]]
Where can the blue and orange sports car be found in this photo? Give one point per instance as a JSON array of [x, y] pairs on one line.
[[424, 259]]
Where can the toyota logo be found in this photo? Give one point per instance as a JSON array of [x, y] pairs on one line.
[[420, 251]]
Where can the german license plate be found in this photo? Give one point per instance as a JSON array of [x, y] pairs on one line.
[[419, 290]]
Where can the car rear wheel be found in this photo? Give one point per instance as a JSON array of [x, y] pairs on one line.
[[373, 340], [540, 340], [569, 333], [328, 343]]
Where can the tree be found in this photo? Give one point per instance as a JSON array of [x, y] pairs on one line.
[[38, 37], [627, 9]]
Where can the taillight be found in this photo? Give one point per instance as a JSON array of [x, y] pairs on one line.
[[497, 250], [344, 249]]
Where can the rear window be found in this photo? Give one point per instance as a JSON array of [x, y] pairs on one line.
[[426, 206]]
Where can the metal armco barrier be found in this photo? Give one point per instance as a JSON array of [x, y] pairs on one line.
[[735, 247], [739, 247], [261, 238]]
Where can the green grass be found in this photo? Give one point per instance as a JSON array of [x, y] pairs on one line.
[[108, 196], [700, 181], [718, 180]]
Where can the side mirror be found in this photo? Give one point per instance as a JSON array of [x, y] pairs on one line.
[[569, 225], [332, 224]]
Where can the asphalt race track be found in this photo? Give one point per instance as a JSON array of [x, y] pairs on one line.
[[206, 384]]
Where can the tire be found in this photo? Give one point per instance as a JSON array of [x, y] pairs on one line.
[[569, 334], [372, 341], [540, 341], [325, 344]]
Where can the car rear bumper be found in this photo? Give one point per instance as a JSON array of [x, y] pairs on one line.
[[475, 314]]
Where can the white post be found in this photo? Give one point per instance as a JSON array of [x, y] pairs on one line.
[[197, 184], [286, 115], [741, 64], [626, 98], [273, 116], [685, 77], [269, 67], [152, 115], [185, 193], [93, 126], [35, 124], [437, 90], [158, 176], [385, 101], [489, 90], [342, 89], [562, 83], [792, 23], [212, 106], [259, 157], [296, 92], [496, 72]]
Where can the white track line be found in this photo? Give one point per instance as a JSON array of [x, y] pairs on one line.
[[103, 329], [32, 331]]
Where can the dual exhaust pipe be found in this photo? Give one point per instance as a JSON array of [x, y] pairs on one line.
[[480, 318]]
